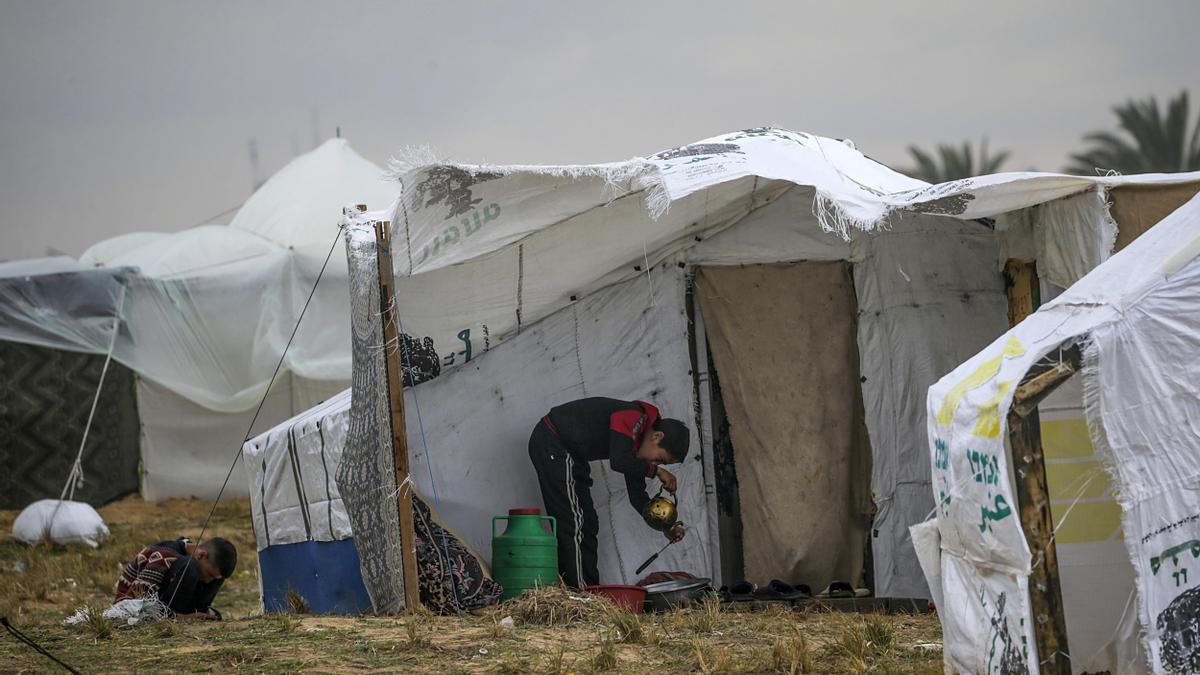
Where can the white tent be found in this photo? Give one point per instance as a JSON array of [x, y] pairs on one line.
[[207, 316], [1129, 601], [541, 284]]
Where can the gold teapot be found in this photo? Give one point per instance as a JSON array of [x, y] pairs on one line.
[[660, 513]]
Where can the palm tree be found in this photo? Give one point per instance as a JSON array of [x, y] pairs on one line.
[[1152, 142], [956, 162]]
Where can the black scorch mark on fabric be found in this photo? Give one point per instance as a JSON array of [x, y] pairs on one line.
[[1011, 657], [700, 149], [1180, 626], [451, 186], [419, 360]]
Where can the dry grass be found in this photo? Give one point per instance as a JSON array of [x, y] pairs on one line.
[[627, 628], [711, 658], [555, 630], [791, 655], [860, 641], [556, 663], [95, 625], [555, 606], [296, 603], [606, 656], [168, 629]]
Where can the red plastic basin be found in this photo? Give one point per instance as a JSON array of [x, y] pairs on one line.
[[631, 598]]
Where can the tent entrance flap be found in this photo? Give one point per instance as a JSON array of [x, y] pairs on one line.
[[784, 342]]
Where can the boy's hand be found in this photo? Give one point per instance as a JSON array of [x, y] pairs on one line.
[[675, 533], [668, 480]]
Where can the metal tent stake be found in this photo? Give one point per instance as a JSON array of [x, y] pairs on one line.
[[395, 389]]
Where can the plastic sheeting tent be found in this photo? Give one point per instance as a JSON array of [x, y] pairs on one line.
[[508, 266], [207, 315], [1137, 317]]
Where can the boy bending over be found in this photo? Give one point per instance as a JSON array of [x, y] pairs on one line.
[[183, 576]]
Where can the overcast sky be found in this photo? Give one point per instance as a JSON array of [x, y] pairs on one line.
[[119, 117]]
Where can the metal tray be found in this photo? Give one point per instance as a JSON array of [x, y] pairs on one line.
[[670, 595], [677, 585]]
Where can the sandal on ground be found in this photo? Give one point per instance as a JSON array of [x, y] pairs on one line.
[[778, 590], [741, 591], [840, 589]]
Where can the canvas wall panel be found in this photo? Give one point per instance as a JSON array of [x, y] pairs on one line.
[[929, 297], [783, 338]]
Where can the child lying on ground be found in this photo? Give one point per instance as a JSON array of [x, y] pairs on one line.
[[183, 576]]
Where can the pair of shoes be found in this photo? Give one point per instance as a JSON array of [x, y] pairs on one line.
[[780, 590], [740, 591], [745, 591]]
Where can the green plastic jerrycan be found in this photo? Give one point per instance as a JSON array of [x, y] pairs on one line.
[[526, 555]]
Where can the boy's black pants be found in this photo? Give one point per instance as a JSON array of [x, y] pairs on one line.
[[566, 493]]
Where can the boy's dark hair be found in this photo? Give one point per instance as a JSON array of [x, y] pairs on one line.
[[223, 554], [676, 438]]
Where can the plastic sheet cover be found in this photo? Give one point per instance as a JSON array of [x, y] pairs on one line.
[[56, 303], [1138, 316]]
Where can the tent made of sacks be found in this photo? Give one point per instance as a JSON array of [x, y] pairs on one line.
[[1123, 495]]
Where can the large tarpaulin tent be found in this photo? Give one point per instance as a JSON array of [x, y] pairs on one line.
[[206, 314], [538, 284], [1129, 600]]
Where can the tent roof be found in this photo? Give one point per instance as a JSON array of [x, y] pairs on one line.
[[299, 204], [851, 191], [38, 266], [489, 244], [207, 249]]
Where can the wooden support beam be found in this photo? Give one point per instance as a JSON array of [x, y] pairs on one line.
[[1033, 502], [1022, 287], [395, 388], [1044, 378], [1033, 497]]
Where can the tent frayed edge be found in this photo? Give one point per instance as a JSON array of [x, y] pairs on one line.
[[1092, 395], [1109, 224], [834, 218], [620, 178]]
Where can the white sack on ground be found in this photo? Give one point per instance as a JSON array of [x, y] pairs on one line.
[[63, 522]]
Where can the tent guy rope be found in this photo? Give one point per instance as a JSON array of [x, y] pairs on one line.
[[262, 401], [75, 477]]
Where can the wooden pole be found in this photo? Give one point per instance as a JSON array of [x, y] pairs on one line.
[[1043, 379], [395, 388], [1033, 497]]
